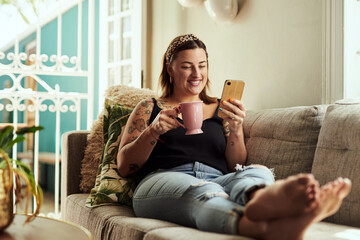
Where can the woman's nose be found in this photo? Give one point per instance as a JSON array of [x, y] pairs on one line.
[[196, 71]]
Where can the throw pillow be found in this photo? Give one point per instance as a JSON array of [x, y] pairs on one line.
[[110, 188], [119, 94]]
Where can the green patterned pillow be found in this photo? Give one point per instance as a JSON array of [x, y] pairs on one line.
[[110, 188]]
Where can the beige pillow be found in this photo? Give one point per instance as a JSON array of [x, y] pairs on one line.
[[125, 95]]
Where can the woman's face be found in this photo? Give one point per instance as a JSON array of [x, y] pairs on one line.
[[189, 72]]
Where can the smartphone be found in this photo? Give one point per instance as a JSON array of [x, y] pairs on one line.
[[233, 89]]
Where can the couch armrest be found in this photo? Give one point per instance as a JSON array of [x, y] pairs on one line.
[[73, 146]]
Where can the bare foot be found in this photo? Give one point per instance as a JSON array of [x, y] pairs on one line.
[[331, 196], [288, 197], [329, 201]]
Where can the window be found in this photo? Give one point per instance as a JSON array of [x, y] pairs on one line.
[[121, 33], [341, 50], [351, 49]]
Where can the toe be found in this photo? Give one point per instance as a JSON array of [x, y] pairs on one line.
[[305, 178]]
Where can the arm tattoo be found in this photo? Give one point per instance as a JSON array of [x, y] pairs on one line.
[[138, 124], [144, 108], [164, 104], [133, 167], [226, 129], [135, 138]]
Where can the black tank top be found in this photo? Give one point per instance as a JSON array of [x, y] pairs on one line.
[[178, 148]]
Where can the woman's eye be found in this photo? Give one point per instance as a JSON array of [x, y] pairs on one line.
[[202, 66], [185, 67]]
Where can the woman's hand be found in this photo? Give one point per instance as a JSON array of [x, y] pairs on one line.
[[235, 115], [165, 121], [233, 125]]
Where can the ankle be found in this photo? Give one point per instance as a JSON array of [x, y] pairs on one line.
[[251, 194], [252, 229]]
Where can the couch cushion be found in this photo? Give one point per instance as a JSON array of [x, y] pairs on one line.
[[338, 155], [133, 228], [284, 139], [109, 222], [184, 233], [318, 231], [326, 231], [94, 219]]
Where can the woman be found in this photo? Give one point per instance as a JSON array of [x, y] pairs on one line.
[[193, 180]]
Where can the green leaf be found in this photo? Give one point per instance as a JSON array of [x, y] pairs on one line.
[[6, 135], [12, 142], [32, 129], [25, 168]]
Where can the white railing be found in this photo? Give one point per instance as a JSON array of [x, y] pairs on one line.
[[19, 99]]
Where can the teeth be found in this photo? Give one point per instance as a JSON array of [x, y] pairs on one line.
[[197, 82]]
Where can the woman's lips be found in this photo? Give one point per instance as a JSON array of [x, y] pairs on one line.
[[194, 82]]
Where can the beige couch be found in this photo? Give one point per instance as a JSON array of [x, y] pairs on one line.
[[323, 140]]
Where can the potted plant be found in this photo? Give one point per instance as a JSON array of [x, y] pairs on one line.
[[13, 175]]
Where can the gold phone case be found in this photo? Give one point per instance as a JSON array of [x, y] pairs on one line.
[[233, 89]]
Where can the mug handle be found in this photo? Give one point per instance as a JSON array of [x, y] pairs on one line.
[[178, 110]]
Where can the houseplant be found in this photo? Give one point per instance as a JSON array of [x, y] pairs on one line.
[[13, 175]]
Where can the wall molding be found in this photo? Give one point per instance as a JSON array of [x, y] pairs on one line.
[[332, 51]]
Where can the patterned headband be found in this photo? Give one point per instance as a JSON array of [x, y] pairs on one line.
[[183, 39]]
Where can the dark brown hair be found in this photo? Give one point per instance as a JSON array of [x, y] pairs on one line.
[[164, 79]]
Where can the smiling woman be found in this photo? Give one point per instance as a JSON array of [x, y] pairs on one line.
[[199, 180]]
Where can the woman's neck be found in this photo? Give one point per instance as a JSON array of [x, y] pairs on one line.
[[178, 99]]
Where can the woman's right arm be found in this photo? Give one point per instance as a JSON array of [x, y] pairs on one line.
[[139, 138]]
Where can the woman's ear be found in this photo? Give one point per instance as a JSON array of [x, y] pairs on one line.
[[169, 69]]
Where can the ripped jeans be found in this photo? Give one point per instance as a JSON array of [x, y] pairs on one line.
[[199, 196]]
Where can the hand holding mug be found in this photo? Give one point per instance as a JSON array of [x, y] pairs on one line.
[[165, 121]]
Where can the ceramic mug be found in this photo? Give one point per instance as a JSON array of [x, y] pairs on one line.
[[192, 115]]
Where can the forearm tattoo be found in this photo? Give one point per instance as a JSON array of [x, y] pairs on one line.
[[226, 129], [138, 124]]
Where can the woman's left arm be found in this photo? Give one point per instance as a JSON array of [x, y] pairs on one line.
[[233, 126]]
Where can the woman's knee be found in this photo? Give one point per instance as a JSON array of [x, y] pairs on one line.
[[205, 190], [258, 166], [257, 171]]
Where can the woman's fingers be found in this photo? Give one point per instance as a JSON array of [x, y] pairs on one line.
[[166, 120], [231, 116], [236, 109]]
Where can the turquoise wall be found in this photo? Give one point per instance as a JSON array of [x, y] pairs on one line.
[[66, 83]]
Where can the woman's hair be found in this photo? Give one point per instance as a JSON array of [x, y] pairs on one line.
[[178, 44]]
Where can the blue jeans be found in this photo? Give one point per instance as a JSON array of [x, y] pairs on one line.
[[199, 196]]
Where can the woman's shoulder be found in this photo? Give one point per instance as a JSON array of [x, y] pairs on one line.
[[163, 103], [145, 104]]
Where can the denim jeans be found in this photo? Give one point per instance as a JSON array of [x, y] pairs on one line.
[[199, 196]]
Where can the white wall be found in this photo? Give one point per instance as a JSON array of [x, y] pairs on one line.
[[274, 46]]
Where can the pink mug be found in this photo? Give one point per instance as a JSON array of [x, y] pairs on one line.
[[192, 115]]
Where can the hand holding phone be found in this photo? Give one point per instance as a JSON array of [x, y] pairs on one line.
[[233, 89]]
